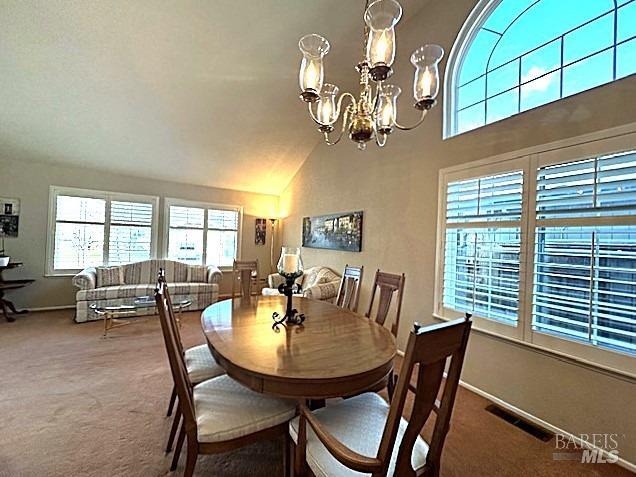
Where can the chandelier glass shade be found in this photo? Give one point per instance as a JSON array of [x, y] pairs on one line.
[[372, 115]]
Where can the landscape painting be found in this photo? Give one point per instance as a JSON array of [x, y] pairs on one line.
[[334, 232]]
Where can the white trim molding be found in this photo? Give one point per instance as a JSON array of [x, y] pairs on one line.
[[169, 201], [108, 196]]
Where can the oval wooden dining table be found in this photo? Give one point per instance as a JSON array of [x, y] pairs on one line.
[[333, 353]]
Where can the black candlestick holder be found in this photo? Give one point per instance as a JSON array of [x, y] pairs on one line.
[[291, 317]]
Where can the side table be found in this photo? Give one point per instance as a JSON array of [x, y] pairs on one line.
[[6, 305]]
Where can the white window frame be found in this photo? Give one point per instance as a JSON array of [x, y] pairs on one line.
[[491, 325], [202, 205], [55, 191], [467, 34], [591, 145]]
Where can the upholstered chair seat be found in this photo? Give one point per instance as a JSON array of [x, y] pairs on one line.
[[201, 365], [358, 423], [226, 410]]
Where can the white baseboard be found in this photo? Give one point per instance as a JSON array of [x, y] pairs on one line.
[[51, 308], [540, 422]]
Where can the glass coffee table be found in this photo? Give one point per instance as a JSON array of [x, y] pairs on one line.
[[114, 315]]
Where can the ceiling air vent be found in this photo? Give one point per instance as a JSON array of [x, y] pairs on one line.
[[519, 422]]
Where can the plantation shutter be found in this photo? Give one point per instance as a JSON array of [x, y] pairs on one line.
[[585, 251], [482, 246]]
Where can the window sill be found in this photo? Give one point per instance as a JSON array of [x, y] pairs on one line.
[[608, 370]]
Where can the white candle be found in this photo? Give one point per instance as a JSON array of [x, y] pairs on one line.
[[290, 263], [426, 83]]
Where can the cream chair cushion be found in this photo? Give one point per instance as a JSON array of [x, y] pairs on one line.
[[201, 365], [226, 410], [358, 423]]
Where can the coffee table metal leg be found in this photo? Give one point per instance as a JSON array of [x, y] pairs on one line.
[[105, 326]]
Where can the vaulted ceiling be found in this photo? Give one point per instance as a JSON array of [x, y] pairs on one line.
[[200, 92]]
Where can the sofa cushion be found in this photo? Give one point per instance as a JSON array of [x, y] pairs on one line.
[[146, 271], [133, 291], [197, 273], [108, 276], [310, 276]]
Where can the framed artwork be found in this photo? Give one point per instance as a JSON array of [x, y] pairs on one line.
[[334, 231], [9, 217], [260, 234]]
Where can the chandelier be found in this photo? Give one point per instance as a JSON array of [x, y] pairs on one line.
[[373, 115]]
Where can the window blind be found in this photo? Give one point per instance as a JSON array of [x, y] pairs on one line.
[[198, 232], [222, 240], [185, 238], [481, 257], [100, 229], [79, 232], [588, 188], [585, 263], [130, 232]]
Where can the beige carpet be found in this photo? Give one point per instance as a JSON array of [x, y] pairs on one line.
[[73, 404]]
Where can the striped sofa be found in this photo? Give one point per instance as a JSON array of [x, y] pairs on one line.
[[121, 285]]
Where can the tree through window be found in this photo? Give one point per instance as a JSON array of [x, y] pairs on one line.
[[526, 53]]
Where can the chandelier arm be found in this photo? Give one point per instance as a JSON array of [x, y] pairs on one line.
[[345, 119], [376, 97], [408, 128], [341, 100], [338, 108]]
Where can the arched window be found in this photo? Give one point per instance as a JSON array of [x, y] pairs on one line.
[[515, 55]]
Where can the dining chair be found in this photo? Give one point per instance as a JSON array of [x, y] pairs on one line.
[[365, 434], [388, 284], [349, 291], [243, 272], [219, 414], [200, 365]]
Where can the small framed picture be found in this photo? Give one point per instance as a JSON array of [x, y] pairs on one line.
[[260, 234]]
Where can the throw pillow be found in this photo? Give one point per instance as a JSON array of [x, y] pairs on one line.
[[197, 274], [109, 276]]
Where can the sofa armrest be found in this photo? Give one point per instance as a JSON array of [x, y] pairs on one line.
[[274, 280], [86, 279], [322, 291], [214, 274]]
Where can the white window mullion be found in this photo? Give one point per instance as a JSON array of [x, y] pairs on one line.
[[107, 233], [526, 267], [205, 236]]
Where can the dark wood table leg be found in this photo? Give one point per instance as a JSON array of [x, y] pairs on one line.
[[5, 312], [12, 308]]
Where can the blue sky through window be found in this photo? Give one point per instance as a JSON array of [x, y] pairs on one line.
[[531, 52]]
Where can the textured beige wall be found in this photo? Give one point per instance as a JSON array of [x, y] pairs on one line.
[[397, 186], [30, 181]]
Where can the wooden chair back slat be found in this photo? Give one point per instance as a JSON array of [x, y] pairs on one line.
[[242, 272], [428, 349], [175, 357], [349, 291], [388, 284]]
